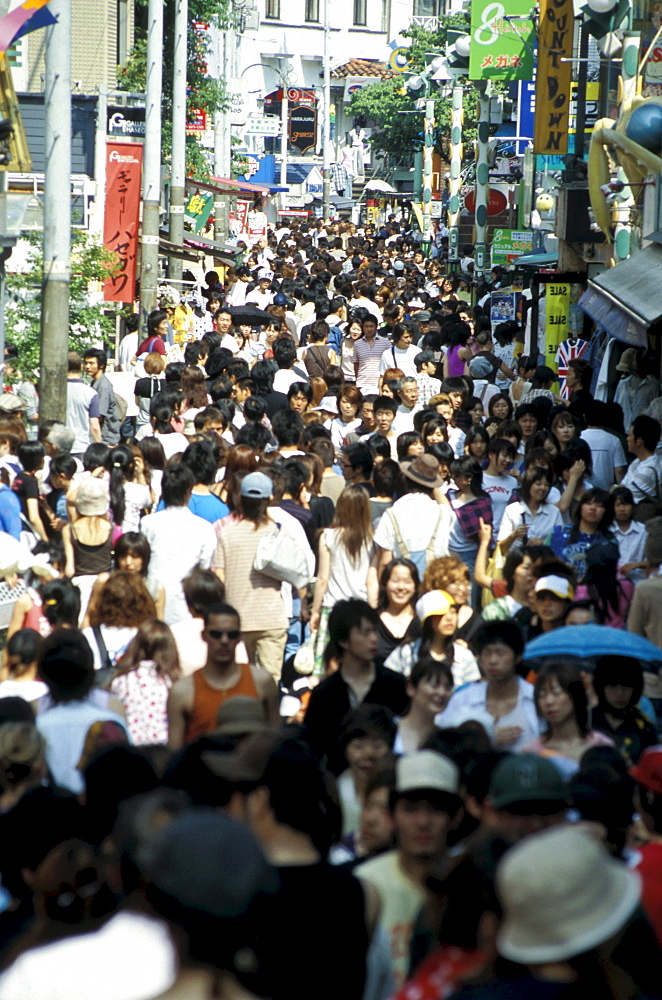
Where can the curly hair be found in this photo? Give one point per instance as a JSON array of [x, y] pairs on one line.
[[124, 601], [447, 569]]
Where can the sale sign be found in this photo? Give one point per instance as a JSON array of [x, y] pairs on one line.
[[121, 217]]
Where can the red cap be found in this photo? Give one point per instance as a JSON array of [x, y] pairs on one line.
[[648, 772]]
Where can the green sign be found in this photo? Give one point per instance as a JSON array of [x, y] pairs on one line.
[[198, 209], [502, 40], [508, 244]]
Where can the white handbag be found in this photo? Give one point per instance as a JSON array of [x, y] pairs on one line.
[[279, 557]]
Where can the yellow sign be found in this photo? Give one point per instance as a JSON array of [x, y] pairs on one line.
[[553, 76], [557, 312]]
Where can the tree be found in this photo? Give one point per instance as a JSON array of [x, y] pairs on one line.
[[400, 127], [90, 320], [205, 92]]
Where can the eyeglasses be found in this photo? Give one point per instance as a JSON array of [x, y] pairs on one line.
[[218, 633]]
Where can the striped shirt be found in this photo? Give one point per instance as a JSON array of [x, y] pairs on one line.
[[368, 355], [256, 596]]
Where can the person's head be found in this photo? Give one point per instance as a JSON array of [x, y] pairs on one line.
[[618, 682], [430, 686], [300, 396], [31, 455], [622, 503], [177, 485], [467, 474], [543, 377], [385, 409], [500, 406], [285, 352], [349, 402], [221, 633], [438, 614], [124, 602], [357, 462], [456, 389], [593, 512], [157, 323], [95, 361], [563, 898], [448, 573], [425, 805], [223, 320], [202, 590], [369, 326], [501, 454], [376, 823], [74, 363], [131, 553], [367, 735], [644, 436], [353, 631], [536, 485], [526, 794], [287, 427], [60, 601], [561, 696], [580, 373], [22, 652], [435, 431], [66, 665], [526, 416], [517, 571], [498, 646], [476, 442], [408, 391], [553, 592], [473, 405], [564, 428], [398, 584]]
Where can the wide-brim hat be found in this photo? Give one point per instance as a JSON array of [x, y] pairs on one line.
[[424, 470], [562, 895], [628, 361], [92, 498]]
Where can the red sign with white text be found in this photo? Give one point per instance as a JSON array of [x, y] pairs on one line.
[[122, 217]]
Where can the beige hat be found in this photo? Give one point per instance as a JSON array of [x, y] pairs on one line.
[[240, 715], [423, 469], [562, 895], [628, 361], [10, 403], [426, 770], [92, 498]]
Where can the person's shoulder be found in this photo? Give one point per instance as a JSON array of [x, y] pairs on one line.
[[390, 677], [383, 864]]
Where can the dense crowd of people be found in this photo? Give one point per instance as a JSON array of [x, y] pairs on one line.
[[326, 667]]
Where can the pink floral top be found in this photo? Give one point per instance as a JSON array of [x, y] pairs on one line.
[[144, 694]]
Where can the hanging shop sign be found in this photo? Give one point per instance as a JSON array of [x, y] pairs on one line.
[[502, 40], [554, 76], [557, 312], [121, 217], [302, 127], [509, 244]]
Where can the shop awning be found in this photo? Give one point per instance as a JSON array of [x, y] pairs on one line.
[[169, 249], [627, 299], [228, 185], [195, 248]]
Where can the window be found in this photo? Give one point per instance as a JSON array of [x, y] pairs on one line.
[[272, 9], [426, 8], [312, 10], [360, 15]]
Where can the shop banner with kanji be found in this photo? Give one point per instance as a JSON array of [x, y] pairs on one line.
[[502, 40], [198, 209], [553, 77], [122, 217]]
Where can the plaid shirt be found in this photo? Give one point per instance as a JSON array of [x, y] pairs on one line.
[[427, 387], [470, 515], [536, 394]]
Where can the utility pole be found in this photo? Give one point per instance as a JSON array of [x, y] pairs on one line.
[[326, 163], [428, 137], [57, 216], [149, 237], [222, 139], [284, 115], [482, 177], [178, 160], [457, 115]]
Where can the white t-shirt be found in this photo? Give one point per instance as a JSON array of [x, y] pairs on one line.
[[417, 516], [284, 378], [395, 357], [539, 525], [499, 489], [347, 579], [470, 703], [607, 455]]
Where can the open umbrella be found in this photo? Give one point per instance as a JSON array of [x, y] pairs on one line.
[[587, 642], [250, 315], [378, 185]]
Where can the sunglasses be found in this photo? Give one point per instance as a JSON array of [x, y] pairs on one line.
[[217, 633]]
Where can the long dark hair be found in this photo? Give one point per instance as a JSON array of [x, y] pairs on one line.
[[382, 601], [600, 576], [569, 680], [595, 493], [468, 466], [427, 638], [121, 465]]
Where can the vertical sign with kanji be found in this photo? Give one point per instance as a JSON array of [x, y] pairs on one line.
[[502, 40], [122, 216], [553, 76]]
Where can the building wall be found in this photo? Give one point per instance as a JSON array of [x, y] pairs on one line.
[[94, 45]]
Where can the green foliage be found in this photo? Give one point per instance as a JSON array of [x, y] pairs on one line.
[[399, 131], [90, 263], [205, 93]]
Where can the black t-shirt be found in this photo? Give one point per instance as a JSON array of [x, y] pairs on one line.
[[26, 488], [147, 387]]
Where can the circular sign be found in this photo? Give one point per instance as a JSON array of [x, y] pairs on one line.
[[399, 60], [496, 203]]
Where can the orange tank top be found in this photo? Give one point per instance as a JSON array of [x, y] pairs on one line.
[[207, 700]]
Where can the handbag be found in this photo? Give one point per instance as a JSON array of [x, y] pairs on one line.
[[650, 506], [279, 557]]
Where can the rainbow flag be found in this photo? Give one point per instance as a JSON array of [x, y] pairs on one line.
[[14, 23]]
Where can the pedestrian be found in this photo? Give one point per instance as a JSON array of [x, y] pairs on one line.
[[96, 362]]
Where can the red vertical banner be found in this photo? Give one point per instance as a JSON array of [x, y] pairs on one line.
[[122, 217]]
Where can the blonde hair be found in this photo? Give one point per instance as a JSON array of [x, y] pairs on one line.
[[22, 751]]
